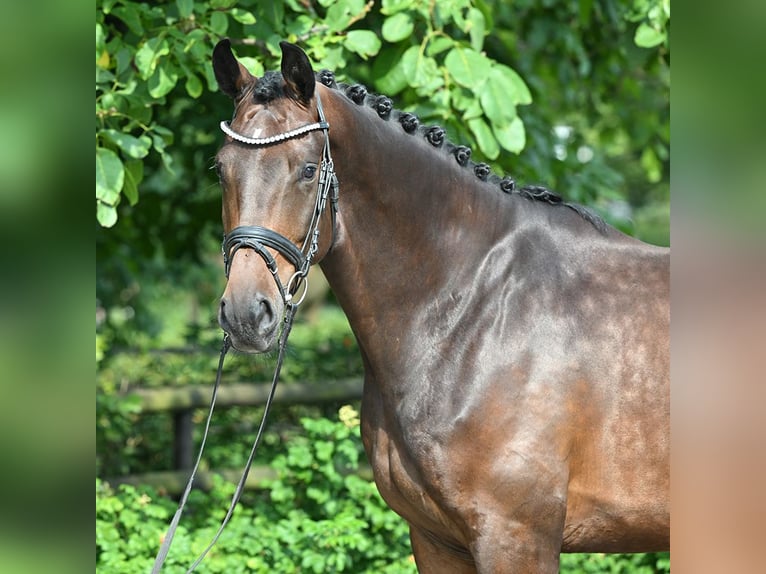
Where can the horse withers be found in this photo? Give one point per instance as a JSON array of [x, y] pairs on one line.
[[515, 347]]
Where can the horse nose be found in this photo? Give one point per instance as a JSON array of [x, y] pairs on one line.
[[258, 316]]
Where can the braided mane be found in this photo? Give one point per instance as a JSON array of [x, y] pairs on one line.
[[271, 87]]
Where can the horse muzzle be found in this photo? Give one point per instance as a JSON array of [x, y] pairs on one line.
[[251, 322]]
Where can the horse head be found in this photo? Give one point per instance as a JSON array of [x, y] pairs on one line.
[[275, 179]]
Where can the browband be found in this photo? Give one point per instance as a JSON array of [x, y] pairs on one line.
[[321, 125]]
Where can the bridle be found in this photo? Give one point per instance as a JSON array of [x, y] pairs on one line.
[[259, 239]]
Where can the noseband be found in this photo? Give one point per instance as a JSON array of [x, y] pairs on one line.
[[259, 238]]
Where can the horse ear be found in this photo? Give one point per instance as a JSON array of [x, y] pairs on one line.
[[232, 76], [297, 72]]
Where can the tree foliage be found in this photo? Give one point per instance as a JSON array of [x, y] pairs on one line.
[[465, 63]]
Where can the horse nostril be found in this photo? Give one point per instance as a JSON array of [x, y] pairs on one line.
[[222, 320], [266, 312]]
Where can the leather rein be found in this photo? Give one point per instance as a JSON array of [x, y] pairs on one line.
[[260, 239]]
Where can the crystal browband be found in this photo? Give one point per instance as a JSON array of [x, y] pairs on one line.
[[322, 125]]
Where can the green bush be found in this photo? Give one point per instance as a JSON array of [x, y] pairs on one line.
[[317, 516], [652, 563]]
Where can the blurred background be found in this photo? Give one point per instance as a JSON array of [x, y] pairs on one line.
[[571, 95]]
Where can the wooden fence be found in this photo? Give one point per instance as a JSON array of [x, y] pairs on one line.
[[181, 402]]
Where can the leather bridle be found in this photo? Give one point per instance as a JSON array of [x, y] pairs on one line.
[[259, 238]]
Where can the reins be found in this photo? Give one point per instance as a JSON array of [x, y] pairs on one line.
[[259, 238]]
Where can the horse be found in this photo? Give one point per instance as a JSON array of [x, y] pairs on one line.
[[515, 346]]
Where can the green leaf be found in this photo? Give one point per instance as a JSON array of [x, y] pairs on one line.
[[484, 137], [363, 42], [100, 39], [520, 89], [498, 97], [648, 37], [468, 67], [397, 27], [253, 65], [219, 23], [340, 14], [109, 176], [652, 165], [212, 83], [218, 4], [387, 70], [300, 26], [131, 17], [185, 7], [134, 173], [389, 7], [477, 28], [167, 135], [159, 146], [409, 63], [162, 81], [511, 136], [124, 59], [439, 45], [472, 110], [242, 16], [107, 5], [193, 86], [419, 70], [149, 54], [105, 214], [131, 145], [324, 449]]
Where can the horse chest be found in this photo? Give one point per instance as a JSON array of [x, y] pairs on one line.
[[411, 485]]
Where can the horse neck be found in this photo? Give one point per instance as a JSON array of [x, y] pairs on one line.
[[410, 219]]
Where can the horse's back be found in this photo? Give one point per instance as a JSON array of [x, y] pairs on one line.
[[555, 363], [572, 401], [617, 348]]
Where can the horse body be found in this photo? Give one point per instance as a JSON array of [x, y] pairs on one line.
[[516, 400]]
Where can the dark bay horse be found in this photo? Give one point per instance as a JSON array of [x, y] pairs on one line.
[[516, 348]]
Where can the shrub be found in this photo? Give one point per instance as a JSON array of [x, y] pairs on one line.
[[317, 516], [652, 563]]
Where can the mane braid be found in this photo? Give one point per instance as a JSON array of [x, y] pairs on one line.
[[436, 136], [269, 88]]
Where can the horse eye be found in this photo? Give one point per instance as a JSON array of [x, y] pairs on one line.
[[309, 171], [219, 170]]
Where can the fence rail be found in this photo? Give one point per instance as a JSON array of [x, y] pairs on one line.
[[173, 482], [246, 394], [181, 402]]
